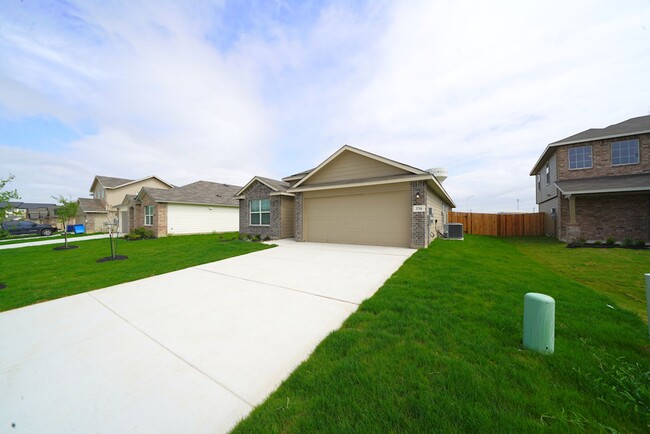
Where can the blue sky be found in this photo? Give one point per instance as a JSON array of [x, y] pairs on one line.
[[225, 90]]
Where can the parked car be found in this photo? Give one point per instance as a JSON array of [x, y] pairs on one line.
[[20, 227]]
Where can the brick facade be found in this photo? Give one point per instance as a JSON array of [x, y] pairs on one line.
[[159, 226], [419, 225], [601, 156], [299, 214], [599, 216], [257, 191]]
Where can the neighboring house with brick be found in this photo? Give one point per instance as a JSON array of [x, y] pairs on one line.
[[596, 184], [107, 196], [353, 197], [200, 207]]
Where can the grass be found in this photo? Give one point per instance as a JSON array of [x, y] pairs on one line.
[[617, 273], [438, 349], [36, 274]]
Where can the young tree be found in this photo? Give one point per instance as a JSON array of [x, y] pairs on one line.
[[6, 196], [66, 210]]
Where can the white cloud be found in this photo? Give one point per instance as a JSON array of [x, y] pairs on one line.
[[479, 88]]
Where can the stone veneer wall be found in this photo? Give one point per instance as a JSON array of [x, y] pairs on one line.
[[600, 217], [257, 191], [418, 219]]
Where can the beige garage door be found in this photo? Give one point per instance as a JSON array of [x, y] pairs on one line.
[[366, 217]]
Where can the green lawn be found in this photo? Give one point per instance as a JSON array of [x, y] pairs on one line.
[[35, 274], [438, 349], [617, 273]]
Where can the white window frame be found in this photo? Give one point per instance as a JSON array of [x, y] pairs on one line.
[[626, 142], [259, 213], [539, 182], [148, 214], [583, 161]]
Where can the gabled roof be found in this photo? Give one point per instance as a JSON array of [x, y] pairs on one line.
[[111, 183], [273, 184], [349, 148], [638, 125], [605, 184], [412, 174], [197, 193], [91, 206], [297, 176]]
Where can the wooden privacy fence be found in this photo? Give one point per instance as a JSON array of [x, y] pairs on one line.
[[500, 225]]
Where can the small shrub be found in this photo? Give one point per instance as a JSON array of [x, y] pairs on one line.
[[267, 238], [257, 237], [639, 243], [598, 243], [610, 241], [243, 237], [139, 234], [628, 242], [3, 233]]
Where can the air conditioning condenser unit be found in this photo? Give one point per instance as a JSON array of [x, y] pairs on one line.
[[453, 231]]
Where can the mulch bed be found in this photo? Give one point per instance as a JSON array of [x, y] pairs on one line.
[[65, 248], [111, 258], [604, 246]]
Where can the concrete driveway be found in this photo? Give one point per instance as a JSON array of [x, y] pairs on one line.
[[189, 351]]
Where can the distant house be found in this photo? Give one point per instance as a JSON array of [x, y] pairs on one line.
[[35, 212], [200, 207], [596, 184], [108, 193], [353, 197]]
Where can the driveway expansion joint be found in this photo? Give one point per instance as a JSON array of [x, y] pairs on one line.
[[169, 350], [278, 286]]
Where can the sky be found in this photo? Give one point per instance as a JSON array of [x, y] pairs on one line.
[[225, 90]]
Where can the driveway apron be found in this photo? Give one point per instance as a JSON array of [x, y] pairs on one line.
[[189, 351]]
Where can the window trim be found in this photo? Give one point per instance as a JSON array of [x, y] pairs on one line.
[[146, 214], [259, 213], [638, 152], [591, 157], [539, 182]]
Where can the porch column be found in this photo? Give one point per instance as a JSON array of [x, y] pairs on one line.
[[572, 210]]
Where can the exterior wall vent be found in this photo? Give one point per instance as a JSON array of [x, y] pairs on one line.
[[453, 231]]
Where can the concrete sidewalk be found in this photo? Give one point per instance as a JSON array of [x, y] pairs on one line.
[[189, 351], [59, 240]]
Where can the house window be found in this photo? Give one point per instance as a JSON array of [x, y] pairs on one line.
[[580, 157], [260, 212], [625, 152], [548, 173], [148, 215]]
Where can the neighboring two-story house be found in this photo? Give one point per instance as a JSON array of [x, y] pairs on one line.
[[595, 185], [108, 193]]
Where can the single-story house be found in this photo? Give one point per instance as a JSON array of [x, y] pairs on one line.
[[200, 207], [353, 197]]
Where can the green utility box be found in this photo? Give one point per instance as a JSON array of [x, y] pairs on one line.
[[539, 323]]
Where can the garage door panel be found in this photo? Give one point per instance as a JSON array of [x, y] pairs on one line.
[[380, 218]]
